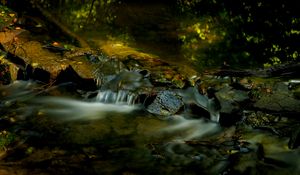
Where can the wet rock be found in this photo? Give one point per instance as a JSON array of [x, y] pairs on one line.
[[231, 99], [33, 73], [259, 119], [55, 49], [278, 102], [132, 63], [5, 77], [201, 104], [161, 72], [109, 66], [293, 84], [167, 76], [294, 141], [8, 70], [26, 51], [272, 123], [213, 105], [126, 80], [281, 87], [70, 75], [41, 75], [272, 94], [166, 103], [296, 93]]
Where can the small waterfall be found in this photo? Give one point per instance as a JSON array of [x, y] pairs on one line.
[[122, 88], [120, 97]]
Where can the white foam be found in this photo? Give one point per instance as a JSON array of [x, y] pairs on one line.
[[70, 109], [120, 97], [191, 128]]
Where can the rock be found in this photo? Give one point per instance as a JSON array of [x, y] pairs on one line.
[[5, 77], [271, 123], [296, 93], [8, 70], [231, 99], [166, 103], [70, 75], [278, 102], [259, 119], [23, 50], [281, 87], [127, 80], [213, 105], [110, 66], [167, 75], [33, 73], [161, 72], [294, 141]]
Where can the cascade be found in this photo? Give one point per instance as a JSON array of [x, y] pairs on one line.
[[119, 97]]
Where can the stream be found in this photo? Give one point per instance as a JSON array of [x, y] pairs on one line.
[[106, 128], [129, 107], [55, 131]]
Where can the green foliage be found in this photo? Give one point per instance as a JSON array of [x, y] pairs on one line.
[[29, 150], [198, 36], [267, 31], [7, 17], [6, 138], [240, 32], [82, 16]]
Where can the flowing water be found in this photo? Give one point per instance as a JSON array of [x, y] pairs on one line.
[[114, 134], [49, 130], [111, 120]]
